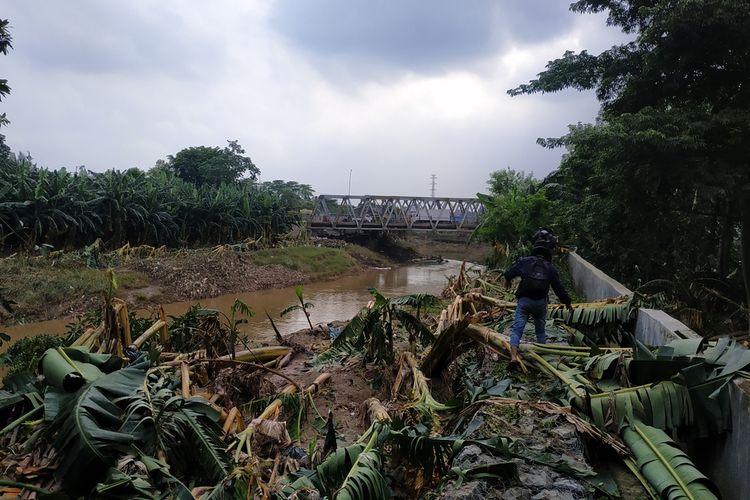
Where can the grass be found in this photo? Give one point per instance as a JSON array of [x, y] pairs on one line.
[[39, 283], [367, 256], [318, 262]]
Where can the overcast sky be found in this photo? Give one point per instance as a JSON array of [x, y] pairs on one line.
[[394, 90]]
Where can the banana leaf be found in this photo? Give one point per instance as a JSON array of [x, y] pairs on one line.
[[187, 430], [364, 479], [667, 468], [603, 365], [191, 435], [728, 356], [348, 473], [507, 470], [21, 389], [69, 368], [710, 398], [150, 478], [666, 405], [21, 383], [86, 425], [9, 399], [594, 314], [680, 348], [706, 379]]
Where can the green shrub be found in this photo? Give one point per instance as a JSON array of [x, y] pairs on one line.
[[23, 354]]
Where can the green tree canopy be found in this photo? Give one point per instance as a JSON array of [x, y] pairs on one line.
[[516, 207], [212, 166], [293, 194], [5, 45], [505, 181], [656, 186]]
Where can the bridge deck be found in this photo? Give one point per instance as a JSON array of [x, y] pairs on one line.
[[395, 213]]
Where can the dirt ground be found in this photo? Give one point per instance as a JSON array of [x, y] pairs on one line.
[[343, 394], [197, 276]]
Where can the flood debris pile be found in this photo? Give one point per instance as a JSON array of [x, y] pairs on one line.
[[414, 398]]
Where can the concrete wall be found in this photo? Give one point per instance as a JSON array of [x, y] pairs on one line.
[[725, 459], [592, 282], [655, 327]]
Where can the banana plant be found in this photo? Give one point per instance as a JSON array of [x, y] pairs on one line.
[[302, 306], [348, 473], [371, 331], [72, 209]]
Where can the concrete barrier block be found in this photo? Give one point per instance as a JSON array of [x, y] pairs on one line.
[[654, 327], [591, 282]]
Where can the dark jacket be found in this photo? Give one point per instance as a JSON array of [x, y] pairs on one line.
[[522, 268]]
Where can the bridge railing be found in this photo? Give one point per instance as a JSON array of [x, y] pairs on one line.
[[405, 213]]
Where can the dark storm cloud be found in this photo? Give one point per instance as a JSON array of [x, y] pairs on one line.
[[96, 37], [417, 35]]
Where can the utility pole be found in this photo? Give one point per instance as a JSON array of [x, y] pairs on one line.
[[350, 182], [432, 186]]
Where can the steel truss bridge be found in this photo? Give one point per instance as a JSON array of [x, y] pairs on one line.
[[347, 213]]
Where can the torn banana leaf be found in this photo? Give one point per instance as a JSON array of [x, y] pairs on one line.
[[669, 470]]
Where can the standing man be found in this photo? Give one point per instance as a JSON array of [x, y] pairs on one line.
[[537, 274]]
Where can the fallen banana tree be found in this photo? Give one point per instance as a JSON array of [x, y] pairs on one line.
[[152, 428], [119, 422], [683, 392]]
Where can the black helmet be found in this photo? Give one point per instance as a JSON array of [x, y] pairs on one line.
[[544, 238]]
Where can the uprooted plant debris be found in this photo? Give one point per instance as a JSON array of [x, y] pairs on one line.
[[387, 407]]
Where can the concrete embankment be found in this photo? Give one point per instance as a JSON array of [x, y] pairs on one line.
[[724, 459]]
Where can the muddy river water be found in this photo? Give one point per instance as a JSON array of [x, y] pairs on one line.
[[339, 299]]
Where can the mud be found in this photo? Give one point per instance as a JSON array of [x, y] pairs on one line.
[[196, 276], [343, 394]]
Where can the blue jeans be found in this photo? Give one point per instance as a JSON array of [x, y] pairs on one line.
[[525, 307]]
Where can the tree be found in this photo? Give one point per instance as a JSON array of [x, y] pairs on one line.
[[294, 195], [5, 44], [656, 185], [503, 182], [516, 207], [212, 166]]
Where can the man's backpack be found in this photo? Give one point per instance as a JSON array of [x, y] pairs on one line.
[[535, 284]]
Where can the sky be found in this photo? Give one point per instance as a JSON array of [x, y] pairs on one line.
[[390, 92]]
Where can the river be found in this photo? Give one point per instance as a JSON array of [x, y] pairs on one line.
[[339, 299]]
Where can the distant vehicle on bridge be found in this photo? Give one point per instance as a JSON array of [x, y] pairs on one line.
[[395, 213]]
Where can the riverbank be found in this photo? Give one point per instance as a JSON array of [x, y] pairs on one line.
[[458, 249], [64, 286], [496, 418]]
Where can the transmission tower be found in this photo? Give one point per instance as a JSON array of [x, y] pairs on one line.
[[432, 185]]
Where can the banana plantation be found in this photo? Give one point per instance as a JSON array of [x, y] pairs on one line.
[[414, 398], [64, 209]]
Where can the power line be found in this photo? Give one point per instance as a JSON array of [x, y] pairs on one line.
[[432, 185]]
